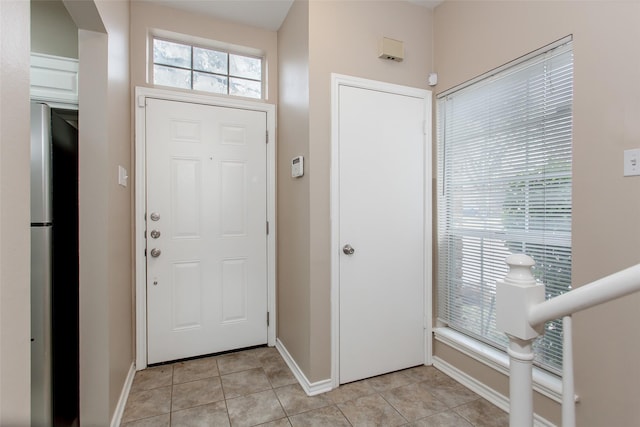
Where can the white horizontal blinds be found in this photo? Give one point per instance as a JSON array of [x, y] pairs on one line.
[[504, 161]]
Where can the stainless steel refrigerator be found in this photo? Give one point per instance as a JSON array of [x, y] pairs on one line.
[[54, 266]]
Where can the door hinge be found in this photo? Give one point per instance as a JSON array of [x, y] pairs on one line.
[[267, 227], [142, 101], [267, 318], [145, 253], [266, 137]]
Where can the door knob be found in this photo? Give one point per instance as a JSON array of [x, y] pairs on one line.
[[155, 252], [348, 250]]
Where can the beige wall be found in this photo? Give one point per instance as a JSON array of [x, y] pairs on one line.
[[343, 38], [52, 30], [15, 367], [146, 17], [106, 350], [94, 268], [115, 16], [293, 302], [474, 37]]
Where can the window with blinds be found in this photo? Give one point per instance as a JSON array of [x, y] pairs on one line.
[[504, 186]]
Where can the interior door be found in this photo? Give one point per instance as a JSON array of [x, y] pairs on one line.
[[381, 232], [205, 228]]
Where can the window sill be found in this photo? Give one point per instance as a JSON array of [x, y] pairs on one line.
[[543, 382]]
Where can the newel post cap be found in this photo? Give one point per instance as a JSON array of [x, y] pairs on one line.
[[514, 297], [520, 270]]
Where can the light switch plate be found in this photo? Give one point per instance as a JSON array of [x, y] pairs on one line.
[[632, 162], [122, 176]]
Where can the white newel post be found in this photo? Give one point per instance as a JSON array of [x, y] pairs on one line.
[[514, 297]]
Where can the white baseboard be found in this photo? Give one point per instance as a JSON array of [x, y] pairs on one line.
[[498, 399], [310, 388], [124, 395]]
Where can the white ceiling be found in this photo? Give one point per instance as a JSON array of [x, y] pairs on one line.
[[267, 14]]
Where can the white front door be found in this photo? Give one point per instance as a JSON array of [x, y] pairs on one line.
[[206, 229], [381, 235]]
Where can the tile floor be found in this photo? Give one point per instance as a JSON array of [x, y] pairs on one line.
[[255, 387]]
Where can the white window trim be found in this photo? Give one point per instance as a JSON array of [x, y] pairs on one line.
[[544, 382]]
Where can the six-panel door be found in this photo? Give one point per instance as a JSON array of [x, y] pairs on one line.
[[206, 229]]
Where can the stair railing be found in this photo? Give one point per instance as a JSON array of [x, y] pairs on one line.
[[521, 312]]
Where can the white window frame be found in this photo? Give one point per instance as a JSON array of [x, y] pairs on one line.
[[228, 76], [545, 383]]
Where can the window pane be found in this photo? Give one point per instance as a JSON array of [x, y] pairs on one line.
[[248, 88], [209, 82], [243, 66], [174, 77], [209, 60], [169, 53]]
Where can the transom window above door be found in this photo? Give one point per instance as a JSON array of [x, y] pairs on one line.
[[186, 66]]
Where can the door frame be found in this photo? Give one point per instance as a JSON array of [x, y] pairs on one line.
[[338, 80], [141, 94]]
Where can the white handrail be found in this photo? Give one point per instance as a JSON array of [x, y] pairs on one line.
[[521, 312], [608, 288]]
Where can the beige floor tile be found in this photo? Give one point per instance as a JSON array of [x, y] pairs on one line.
[[294, 400], [371, 410], [147, 403], [254, 409], [197, 369], [282, 422], [265, 354], [414, 401], [213, 414], [244, 382], [327, 416], [195, 393], [450, 392], [236, 362], [147, 379], [159, 421], [279, 373], [481, 413], [350, 391], [389, 381], [196, 390], [443, 419], [425, 373]]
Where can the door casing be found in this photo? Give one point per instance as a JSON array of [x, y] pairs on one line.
[[141, 94], [338, 80]]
